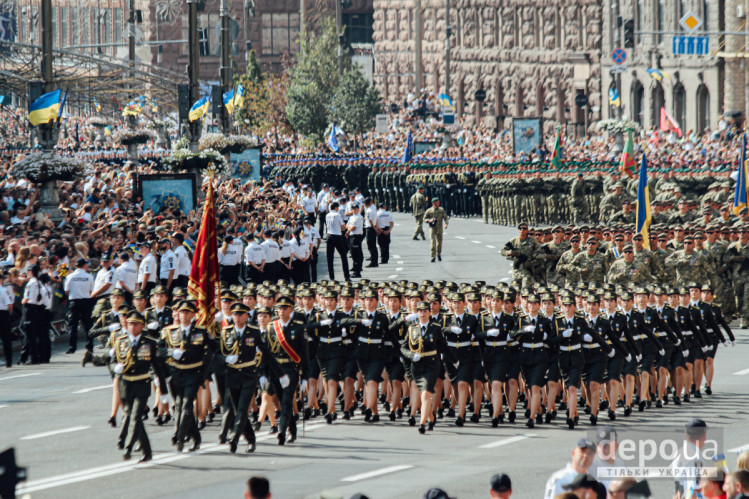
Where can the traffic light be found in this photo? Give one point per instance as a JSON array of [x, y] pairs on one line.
[[629, 33]]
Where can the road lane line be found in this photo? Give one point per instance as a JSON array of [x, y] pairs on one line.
[[740, 448], [113, 469], [86, 390], [55, 432], [506, 441], [490, 246], [399, 269], [382, 471], [396, 257], [459, 237], [1, 406], [476, 242], [742, 372], [392, 276], [19, 376], [400, 262]]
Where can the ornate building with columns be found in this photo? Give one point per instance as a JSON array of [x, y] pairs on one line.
[[531, 58]]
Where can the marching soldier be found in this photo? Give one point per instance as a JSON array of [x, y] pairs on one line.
[[418, 204], [436, 216], [522, 251]]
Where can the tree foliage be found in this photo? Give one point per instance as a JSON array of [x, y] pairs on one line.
[[356, 103]]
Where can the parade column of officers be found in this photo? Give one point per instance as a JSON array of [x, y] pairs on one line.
[[283, 351]]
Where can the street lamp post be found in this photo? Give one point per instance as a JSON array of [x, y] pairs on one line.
[[193, 68]]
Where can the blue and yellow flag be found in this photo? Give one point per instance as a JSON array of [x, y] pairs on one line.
[[614, 98], [154, 105], [239, 96], [198, 110], [133, 108], [97, 106], [45, 108], [229, 101], [333, 139], [740, 196], [445, 101], [408, 152], [643, 204]]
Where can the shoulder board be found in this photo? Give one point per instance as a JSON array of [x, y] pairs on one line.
[[226, 328], [580, 314], [173, 326]]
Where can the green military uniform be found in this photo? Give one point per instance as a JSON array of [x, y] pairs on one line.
[[437, 218], [418, 204]]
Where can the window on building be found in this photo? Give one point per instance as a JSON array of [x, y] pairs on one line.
[[280, 33], [203, 41], [118, 25], [661, 25], [706, 15], [96, 19], [55, 32], [640, 25], [359, 28], [64, 27], [75, 33], [107, 24], [22, 29]]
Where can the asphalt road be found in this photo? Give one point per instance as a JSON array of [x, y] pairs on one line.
[[55, 416]]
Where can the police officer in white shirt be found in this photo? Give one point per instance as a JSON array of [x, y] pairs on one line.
[[322, 206], [309, 204], [336, 241], [385, 225], [370, 230], [301, 256], [312, 237], [358, 196], [147, 269], [6, 308], [355, 229], [230, 259], [78, 286], [182, 259], [104, 282], [126, 276], [582, 457], [272, 254], [167, 264], [254, 260]]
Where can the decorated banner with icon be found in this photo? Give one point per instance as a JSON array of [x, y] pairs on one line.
[[247, 165], [167, 192]]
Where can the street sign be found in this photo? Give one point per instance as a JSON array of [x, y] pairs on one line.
[[691, 45], [581, 100], [448, 117], [619, 69], [480, 95], [618, 56], [690, 22]]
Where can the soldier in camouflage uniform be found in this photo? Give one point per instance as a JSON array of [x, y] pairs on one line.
[[690, 266], [624, 270], [738, 259], [550, 253], [591, 264], [577, 201], [565, 267], [522, 250]]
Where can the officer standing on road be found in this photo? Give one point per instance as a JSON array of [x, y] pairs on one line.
[[435, 217], [134, 356], [418, 205], [79, 285]]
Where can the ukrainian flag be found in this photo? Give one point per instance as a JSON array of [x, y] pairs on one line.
[[740, 194], [229, 101], [643, 204], [97, 106], [239, 96], [614, 98], [445, 101], [45, 108], [198, 110]]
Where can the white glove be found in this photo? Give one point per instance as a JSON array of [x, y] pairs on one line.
[[611, 354], [685, 353], [157, 382], [263, 381], [412, 317], [343, 332], [588, 338], [726, 344], [678, 342], [545, 335], [284, 380], [303, 386], [119, 367], [417, 357], [529, 329], [456, 330], [493, 332], [164, 399], [733, 343], [705, 348], [232, 359], [177, 353], [456, 365], [114, 327], [153, 325], [326, 322], [366, 322], [628, 358], [638, 357], [661, 352], [567, 333], [111, 352]]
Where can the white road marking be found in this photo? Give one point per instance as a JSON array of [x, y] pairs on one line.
[[396, 256], [19, 376], [382, 471], [86, 390], [399, 269], [1, 406], [113, 469], [399, 262], [506, 441], [392, 276], [55, 432], [505, 279], [490, 246], [459, 237], [476, 242], [740, 448], [742, 372]]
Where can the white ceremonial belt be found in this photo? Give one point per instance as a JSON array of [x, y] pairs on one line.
[[569, 348]]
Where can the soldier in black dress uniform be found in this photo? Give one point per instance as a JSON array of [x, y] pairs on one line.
[[134, 356], [707, 297], [422, 348]]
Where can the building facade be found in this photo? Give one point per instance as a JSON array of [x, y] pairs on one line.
[[692, 88], [530, 59]]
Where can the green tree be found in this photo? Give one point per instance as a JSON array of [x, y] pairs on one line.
[[314, 79], [356, 103], [255, 99]]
